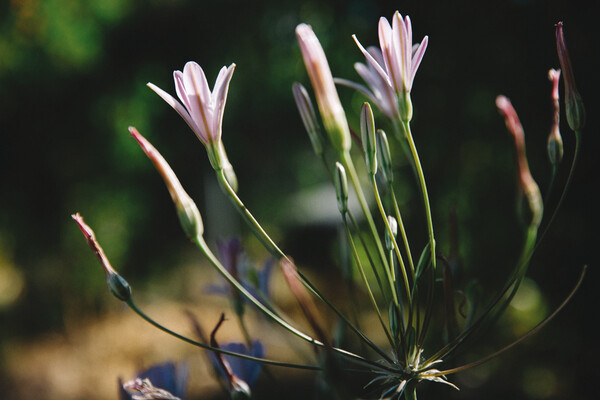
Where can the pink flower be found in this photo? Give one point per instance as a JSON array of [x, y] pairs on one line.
[[400, 58], [379, 90], [199, 107]]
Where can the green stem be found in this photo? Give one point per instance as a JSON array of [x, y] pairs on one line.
[[256, 227], [366, 282], [349, 166], [138, 311], [421, 178], [368, 253], [566, 187], [393, 238], [199, 241], [402, 231]]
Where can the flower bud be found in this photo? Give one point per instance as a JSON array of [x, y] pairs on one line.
[[555, 143], [309, 118], [574, 107], [188, 213], [389, 242], [367, 130], [384, 156], [332, 113], [341, 188], [526, 182], [116, 284]]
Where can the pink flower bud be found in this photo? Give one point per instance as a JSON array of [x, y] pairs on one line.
[[574, 107], [526, 182], [555, 143], [334, 117], [188, 213]]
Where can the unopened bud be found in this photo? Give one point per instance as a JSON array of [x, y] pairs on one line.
[[389, 242], [367, 130], [332, 113], [188, 213], [341, 188], [555, 143], [384, 156], [309, 118], [574, 107], [116, 284], [526, 182]]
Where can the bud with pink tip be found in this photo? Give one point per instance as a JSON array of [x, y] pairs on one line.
[[574, 107], [116, 284]]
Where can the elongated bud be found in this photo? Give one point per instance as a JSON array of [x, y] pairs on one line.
[[574, 107], [116, 284], [188, 213], [304, 300], [367, 130], [389, 243], [328, 100], [526, 182], [309, 118], [384, 156], [555, 143], [341, 188]]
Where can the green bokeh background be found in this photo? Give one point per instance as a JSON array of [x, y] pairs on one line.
[[72, 79]]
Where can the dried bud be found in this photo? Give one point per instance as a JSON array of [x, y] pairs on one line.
[[384, 156], [238, 387], [188, 213], [328, 100], [555, 143], [309, 118], [367, 129], [341, 188], [574, 107], [116, 284]]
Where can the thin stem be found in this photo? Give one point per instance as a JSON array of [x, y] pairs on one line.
[[276, 252], [365, 280], [421, 178], [199, 241], [349, 166], [368, 253], [256, 227], [533, 331], [566, 187], [138, 311], [215, 262], [402, 231], [393, 238]]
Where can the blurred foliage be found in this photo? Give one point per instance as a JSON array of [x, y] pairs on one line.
[[72, 79]]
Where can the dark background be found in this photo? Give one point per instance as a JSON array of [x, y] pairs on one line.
[[72, 79]]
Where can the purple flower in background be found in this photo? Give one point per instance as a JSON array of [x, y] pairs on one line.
[[166, 381], [246, 370], [234, 260], [199, 107]]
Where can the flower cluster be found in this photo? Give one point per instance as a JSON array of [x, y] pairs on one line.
[[400, 287]]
